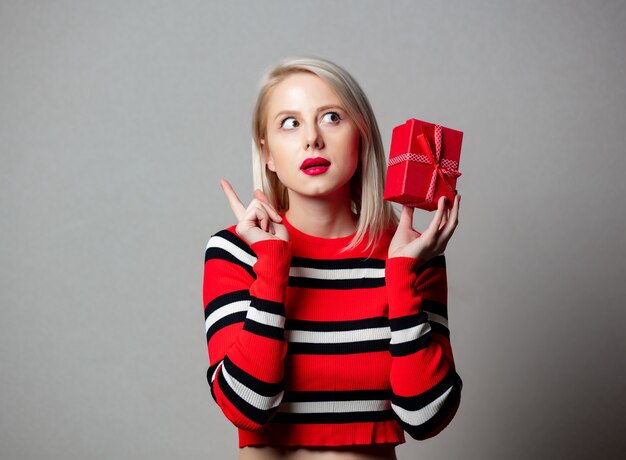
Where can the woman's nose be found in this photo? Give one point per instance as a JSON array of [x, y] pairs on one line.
[[313, 138]]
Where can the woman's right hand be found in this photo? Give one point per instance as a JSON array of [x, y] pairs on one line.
[[259, 221]]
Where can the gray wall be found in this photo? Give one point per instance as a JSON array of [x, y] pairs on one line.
[[118, 118]]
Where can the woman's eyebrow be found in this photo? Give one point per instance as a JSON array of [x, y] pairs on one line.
[[332, 106], [319, 109], [286, 112]]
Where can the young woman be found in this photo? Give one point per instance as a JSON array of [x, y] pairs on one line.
[[326, 317]]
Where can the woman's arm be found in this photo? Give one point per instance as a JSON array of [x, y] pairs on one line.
[[244, 293], [426, 389], [246, 271]]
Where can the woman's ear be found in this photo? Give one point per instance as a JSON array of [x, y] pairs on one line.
[[267, 156]]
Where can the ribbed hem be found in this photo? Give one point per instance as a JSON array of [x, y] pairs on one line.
[[364, 433]]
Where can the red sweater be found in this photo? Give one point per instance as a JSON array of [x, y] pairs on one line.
[[309, 346]]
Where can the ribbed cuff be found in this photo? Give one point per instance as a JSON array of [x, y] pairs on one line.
[[272, 269]]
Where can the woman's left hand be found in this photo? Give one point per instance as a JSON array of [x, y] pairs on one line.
[[407, 242]]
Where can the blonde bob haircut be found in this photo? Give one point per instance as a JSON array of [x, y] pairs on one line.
[[375, 216]]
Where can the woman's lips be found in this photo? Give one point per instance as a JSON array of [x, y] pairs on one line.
[[314, 166], [315, 170]]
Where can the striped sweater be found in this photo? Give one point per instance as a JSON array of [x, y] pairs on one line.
[[309, 346]]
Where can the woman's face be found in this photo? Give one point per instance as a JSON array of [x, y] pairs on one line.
[[310, 144]]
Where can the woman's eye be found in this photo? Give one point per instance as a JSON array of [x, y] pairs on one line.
[[331, 117], [289, 123]]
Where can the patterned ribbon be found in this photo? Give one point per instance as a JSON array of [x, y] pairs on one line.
[[443, 166]]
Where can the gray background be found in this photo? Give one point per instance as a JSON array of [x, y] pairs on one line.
[[117, 119]]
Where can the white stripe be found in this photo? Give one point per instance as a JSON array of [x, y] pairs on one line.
[[225, 310], [250, 396], [334, 406], [337, 274], [222, 243], [263, 317], [421, 416], [411, 333], [359, 335], [435, 318]]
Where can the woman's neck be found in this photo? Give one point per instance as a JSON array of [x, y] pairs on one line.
[[323, 217]]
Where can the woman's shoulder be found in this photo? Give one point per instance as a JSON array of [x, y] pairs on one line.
[[227, 241], [228, 233], [225, 231]]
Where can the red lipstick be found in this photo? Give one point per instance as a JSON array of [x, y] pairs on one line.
[[314, 166]]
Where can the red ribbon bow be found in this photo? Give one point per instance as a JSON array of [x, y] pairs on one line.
[[443, 166]]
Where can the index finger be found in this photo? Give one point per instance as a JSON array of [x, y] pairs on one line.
[[235, 203]]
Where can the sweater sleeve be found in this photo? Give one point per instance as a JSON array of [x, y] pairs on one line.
[[244, 299], [426, 389]]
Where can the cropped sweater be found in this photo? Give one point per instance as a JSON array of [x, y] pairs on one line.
[[310, 346]]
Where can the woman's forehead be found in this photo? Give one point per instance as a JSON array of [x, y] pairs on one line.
[[302, 91]]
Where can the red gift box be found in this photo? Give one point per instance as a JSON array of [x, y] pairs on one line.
[[423, 164]]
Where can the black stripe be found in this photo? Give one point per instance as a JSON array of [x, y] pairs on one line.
[[233, 318], [221, 254], [256, 385], [437, 422], [268, 306], [298, 348], [437, 308], [435, 262], [225, 299], [333, 417], [407, 348], [423, 399], [349, 395], [440, 309], [256, 415], [331, 264], [233, 238], [328, 326], [316, 283], [209, 372], [271, 332], [405, 322]]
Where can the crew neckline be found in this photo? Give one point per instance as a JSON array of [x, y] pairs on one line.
[[300, 235]]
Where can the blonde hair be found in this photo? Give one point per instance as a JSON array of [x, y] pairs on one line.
[[375, 216]]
